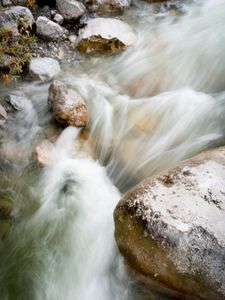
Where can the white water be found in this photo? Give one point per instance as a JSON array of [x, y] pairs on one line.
[[59, 242]]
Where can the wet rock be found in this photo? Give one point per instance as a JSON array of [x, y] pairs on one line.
[[68, 106], [49, 30], [43, 153], [43, 68], [105, 35], [107, 7], [170, 228], [3, 115], [70, 9], [21, 114], [15, 17]]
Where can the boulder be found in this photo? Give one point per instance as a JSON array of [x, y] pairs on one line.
[[43, 68], [68, 106], [105, 35], [107, 7], [49, 30], [15, 17], [70, 9], [170, 228]]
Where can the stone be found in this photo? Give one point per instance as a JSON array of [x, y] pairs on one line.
[[72, 38], [105, 35], [16, 17], [58, 18], [43, 68], [43, 153], [6, 3], [70, 9], [107, 7], [3, 115], [170, 228], [68, 106], [49, 30]]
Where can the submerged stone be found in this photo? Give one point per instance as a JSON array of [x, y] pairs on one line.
[[170, 228]]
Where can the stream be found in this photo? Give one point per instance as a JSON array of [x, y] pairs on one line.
[[159, 102]]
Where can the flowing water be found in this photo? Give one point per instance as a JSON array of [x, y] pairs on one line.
[[157, 103]]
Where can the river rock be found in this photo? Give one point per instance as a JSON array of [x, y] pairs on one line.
[[68, 106], [105, 35], [58, 18], [170, 227], [70, 9], [49, 30], [107, 7], [43, 153], [6, 3], [15, 17], [43, 68]]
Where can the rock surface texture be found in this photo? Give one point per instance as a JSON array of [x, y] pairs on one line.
[[170, 228], [43, 68], [70, 9], [105, 35], [68, 106], [16, 16], [107, 7], [49, 30]]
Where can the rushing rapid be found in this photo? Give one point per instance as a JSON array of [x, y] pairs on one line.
[[157, 103]]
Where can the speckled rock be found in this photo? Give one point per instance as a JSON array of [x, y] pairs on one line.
[[105, 35], [49, 30], [68, 106], [107, 7], [16, 16], [6, 3], [170, 228], [70, 9], [43, 68]]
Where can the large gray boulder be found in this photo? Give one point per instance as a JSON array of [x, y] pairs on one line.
[[105, 35], [107, 7], [43, 68], [170, 227], [70, 9], [67, 105], [49, 30]]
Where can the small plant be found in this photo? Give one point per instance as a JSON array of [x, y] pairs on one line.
[[15, 52], [32, 4]]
